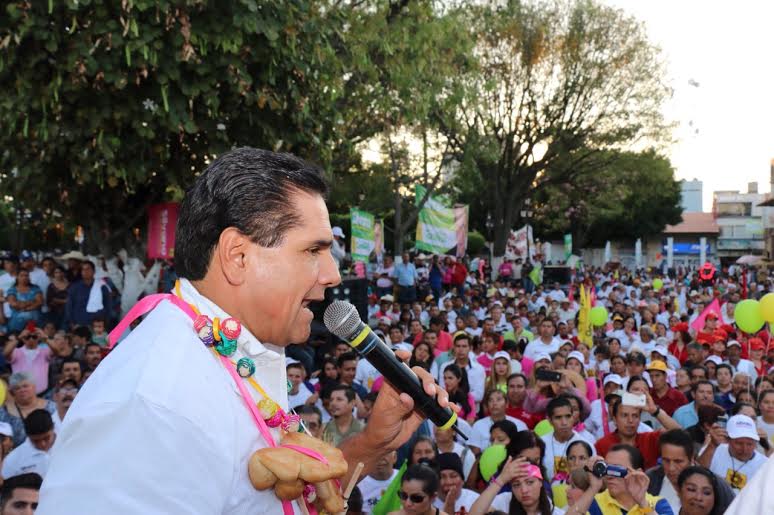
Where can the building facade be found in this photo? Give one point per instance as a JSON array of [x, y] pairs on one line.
[[740, 219]]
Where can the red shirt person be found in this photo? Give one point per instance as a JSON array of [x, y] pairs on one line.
[[627, 419], [665, 397]]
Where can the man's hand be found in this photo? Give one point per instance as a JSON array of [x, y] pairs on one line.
[[393, 419], [718, 435], [650, 404], [637, 484]]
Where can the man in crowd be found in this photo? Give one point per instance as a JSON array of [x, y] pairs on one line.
[[64, 395], [495, 403], [374, 485], [34, 454], [299, 392], [677, 454], [475, 372], [311, 417], [731, 453], [343, 423], [559, 414], [452, 496], [627, 421], [703, 395], [738, 364], [19, 494], [665, 397], [87, 299], [406, 275], [545, 343]]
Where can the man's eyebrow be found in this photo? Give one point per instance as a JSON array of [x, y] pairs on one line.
[[321, 243]]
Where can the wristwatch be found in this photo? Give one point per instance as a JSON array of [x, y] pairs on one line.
[[658, 410]]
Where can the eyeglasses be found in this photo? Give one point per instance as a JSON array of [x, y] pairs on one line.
[[415, 498], [29, 337]]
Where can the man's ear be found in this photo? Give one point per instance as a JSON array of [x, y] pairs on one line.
[[230, 254]]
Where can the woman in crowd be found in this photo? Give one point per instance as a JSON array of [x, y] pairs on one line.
[[766, 418], [502, 432], [576, 363], [56, 297], [25, 300], [501, 370], [422, 356], [23, 401], [455, 382], [698, 489], [618, 364], [638, 386], [528, 494], [683, 380], [578, 454], [423, 448], [418, 490]]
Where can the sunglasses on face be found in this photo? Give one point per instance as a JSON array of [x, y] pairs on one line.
[[415, 498]]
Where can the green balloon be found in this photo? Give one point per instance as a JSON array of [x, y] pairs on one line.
[[598, 316], [658, 284], [491, 458], [543, 428], [748, 316]]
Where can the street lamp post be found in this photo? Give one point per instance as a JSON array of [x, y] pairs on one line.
[[526, 215]]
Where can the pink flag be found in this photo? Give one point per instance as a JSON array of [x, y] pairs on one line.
[[162, 220], [714, 307]]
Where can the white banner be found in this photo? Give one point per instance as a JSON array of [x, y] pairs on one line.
[[516, 246], [638, 253], [608, 252]]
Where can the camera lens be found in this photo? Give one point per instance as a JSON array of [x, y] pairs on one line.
[[599, 469]]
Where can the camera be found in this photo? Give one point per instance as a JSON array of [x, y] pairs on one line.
[[544, 374], [601, 469]]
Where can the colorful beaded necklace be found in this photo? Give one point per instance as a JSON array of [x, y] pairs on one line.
[[221, 338]]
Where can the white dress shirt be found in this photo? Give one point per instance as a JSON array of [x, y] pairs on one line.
[[160, 426], [24, 459]]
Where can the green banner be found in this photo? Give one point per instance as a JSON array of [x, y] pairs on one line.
[[567, 246], [363, 237], [436, 232]]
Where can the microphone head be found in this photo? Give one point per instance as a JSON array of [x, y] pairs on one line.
[[341, 318]]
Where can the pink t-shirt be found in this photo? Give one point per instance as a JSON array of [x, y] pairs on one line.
[[35, 362]]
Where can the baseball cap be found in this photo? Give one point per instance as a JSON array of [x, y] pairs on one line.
[[712, 315], [732, 343], [502, 354], [742, 426], [715, 359], [26, 255], [577, 355], [541, 356], [661, 350], [657, 365], [338, 232], [387, 298], [612, 378]]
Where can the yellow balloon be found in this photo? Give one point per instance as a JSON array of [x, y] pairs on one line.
[[767, 307]]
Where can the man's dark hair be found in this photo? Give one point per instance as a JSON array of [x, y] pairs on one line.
[[65, 383], [247, 189], [72, 360], [91, 344], [83, 332], [695, 387], [635, 456], [295, 365], [556, 403], [38, 422], [347, 356], [678, 438], [727, 367], [29, 480], [89, 262], [348, 391], [636, 358], [436, 321], [308, 409]]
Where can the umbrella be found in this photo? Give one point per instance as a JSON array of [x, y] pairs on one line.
[[750, 260]]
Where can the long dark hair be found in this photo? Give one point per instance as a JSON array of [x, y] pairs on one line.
[[717, 509], [460, 397], [414, 362], [544, 504]]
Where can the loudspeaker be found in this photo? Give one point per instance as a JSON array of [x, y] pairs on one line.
[[353, 290]]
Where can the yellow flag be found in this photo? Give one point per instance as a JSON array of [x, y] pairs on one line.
[[584, 324]]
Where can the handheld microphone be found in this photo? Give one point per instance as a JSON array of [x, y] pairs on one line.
[[342, 319]]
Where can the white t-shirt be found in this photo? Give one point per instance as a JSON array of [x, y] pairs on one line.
[[725, 466], [556, 453], [769, 428], [373, 490], [480, 436], [537, 346], [299, 398], [502, 502], [465, 500], [366, 373], [26, 458], [669, 493]]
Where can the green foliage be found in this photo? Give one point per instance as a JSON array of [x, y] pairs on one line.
[[476, 243], [622, 195], [556, 83]]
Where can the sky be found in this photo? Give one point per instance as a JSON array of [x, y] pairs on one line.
[[720, 63]]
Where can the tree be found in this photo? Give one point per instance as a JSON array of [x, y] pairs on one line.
[[628, 196], [109, 107], [556, 84]]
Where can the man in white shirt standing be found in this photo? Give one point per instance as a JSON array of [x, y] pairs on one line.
[[253, 244], [545, 343], [373, 486], [33, 454], [731, 452], [476, 374]]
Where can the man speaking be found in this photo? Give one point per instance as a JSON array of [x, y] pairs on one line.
[[162, 425]]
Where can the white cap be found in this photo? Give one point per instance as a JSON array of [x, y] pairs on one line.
[[338, 232], [715, 359], [387, 298], [502, 354], [742, 426], [6, 429], [612, 378], [732, 343], [661, 350], [542, 355], [577, 355], [290, 361]]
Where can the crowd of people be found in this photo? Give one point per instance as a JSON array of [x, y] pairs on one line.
[[650, 415]]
